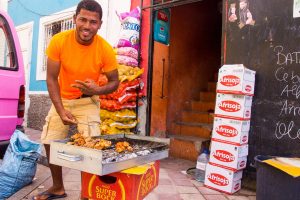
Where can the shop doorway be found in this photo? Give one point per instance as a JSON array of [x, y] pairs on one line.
[[184, 72]]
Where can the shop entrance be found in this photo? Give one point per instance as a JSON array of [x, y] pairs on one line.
[[184, 76]]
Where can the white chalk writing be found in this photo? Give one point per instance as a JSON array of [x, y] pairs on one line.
[[289, 89], [287, 129], [289, 109], [286, 58], [283, 75]]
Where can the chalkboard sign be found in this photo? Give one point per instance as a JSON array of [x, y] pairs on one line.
[[265, 37]]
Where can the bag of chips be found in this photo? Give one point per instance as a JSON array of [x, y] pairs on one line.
[[130, 28]]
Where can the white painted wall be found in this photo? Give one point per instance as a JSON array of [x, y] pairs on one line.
[[113, 22], [3, 4], [111, 25]]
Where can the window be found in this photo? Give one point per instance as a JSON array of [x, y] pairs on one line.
[[49, 26], [7, 53], [53, 28]]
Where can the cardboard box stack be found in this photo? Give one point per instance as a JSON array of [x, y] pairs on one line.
[[229, 147]]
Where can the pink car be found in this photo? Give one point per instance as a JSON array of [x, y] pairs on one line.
[[12, 81]]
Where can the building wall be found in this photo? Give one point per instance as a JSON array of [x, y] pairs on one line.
[[32, 10]]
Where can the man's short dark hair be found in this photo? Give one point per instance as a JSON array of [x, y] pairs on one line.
[[90, 5]]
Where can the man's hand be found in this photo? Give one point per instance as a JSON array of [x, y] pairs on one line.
[[88, 87], [67, 118]]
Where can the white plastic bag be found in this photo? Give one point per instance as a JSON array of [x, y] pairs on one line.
[[130, 29]]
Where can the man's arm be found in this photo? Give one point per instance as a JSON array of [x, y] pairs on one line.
[[113, 82], [89, 87], [53, 68]]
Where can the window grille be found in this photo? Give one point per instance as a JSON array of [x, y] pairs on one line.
[[52, 29]]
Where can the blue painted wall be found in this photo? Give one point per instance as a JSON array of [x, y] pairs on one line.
[[24, 11]]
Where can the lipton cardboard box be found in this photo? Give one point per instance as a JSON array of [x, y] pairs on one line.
[[222, 179], [131, 184], [228, 156], [236, 79], [233, 106], [231, 131]]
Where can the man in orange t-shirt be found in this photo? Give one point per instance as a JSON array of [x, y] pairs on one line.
[[76, 58]]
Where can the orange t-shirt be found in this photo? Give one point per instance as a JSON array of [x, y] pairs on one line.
[[79, 62]]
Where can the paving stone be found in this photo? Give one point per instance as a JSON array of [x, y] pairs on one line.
[[246, 192], [182, 182], [151, 196], [66, 170], [177, 175], [47, 184], [72, 195], [205, 190], [72, 185], [215, 197], [169, 197], [197, 183], [165, 182], [165, 189], [191, 197], [236, 197], [71, 177], [74, 172], [163, 171], [187, 190], [164, 176]]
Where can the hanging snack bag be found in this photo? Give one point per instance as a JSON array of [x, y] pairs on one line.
[[127, 51], [130, 27], [126, 60]]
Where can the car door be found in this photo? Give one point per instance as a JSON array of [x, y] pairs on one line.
[[12, 79]]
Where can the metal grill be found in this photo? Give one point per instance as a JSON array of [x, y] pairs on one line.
[[52, 29]]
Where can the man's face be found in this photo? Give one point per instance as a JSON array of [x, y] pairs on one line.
[[87, 25], [243, 4]]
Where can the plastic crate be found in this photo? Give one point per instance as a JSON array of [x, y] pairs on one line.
[[274, 184]]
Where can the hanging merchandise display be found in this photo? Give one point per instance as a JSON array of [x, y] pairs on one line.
[[118, 109], [120, 116], [130, 27], [127, 73]]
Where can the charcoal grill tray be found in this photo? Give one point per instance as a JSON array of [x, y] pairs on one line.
[[102, 162]]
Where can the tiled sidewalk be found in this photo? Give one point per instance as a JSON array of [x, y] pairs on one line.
[[173, 183]]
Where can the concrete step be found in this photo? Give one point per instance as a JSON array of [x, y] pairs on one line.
[[203, 106], [197, 117], [202, 130], [212, 86], [208, 96], [186, 147]]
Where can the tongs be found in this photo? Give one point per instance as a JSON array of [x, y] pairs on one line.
[[74, 128]]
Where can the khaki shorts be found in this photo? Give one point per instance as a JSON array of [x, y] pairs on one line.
[[86, 112]]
